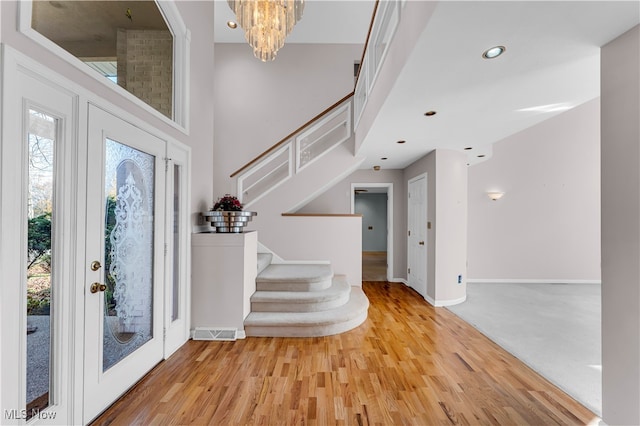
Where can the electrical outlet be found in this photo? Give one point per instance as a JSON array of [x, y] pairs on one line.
[[459, 279]]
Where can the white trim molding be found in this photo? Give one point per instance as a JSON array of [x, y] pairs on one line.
[[443, 303]]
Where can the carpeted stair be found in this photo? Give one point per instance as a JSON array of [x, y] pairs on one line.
[[303, 300]]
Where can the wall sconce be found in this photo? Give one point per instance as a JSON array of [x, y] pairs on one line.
[[495, 196]]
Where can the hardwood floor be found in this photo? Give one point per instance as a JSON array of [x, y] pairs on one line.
[[374, 266], [409, 363]]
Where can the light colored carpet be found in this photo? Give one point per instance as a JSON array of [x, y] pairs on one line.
[[553, 328]]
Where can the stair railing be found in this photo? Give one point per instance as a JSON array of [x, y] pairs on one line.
[[295, 152], [331, 127], [384, 22]]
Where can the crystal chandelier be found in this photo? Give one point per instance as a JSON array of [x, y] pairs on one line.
[[266, 23]]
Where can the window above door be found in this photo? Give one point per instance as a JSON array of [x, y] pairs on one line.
[[135, 46]]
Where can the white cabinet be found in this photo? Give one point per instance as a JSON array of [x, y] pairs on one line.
[[224, 269]]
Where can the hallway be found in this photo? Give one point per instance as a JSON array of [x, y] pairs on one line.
[[409, 363], [374, 266]]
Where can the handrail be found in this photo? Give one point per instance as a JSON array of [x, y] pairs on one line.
[[322, 214], [366, 42], [290, 135], [317, 117]]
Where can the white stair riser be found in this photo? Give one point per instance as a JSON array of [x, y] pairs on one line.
[[293, 285], [299, 307], [310, 324], [306, 330]]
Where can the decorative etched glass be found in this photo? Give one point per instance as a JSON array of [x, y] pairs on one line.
[[129, 222]]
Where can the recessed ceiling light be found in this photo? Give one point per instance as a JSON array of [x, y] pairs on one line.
[[232, 25], [383, 158], [430, 113], [494, 52], [468, 148], [401, 142], [481, 155]]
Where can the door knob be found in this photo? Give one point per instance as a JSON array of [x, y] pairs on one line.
[[95, 265], [421, 243], [96, 287]]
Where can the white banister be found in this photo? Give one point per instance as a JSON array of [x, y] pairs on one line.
[[311, 143]]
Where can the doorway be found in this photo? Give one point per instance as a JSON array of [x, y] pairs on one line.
[[85, 223], [375, 202], [125, 258]]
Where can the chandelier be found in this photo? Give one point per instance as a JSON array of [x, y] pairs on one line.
[[266, 23]]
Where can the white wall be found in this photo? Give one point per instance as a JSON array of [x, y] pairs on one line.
[[337, 200], [447, 211], [547, 225], [620, 92], [334, 239], [257, 104]]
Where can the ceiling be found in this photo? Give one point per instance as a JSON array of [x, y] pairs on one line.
[[323, 21], [551, 64]]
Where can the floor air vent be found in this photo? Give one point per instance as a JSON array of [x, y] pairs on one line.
[[225, 334]]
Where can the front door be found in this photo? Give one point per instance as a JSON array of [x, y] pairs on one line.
[[417, 235], [125, 258]]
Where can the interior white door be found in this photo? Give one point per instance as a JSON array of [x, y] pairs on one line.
[[417, 235], [125, 258]]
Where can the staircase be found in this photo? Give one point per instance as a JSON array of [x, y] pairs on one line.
[[303, 300]]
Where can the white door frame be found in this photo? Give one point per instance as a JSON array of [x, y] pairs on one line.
[[24, 89], [389, 187], [177, 332], [13, 233], [103, 387]]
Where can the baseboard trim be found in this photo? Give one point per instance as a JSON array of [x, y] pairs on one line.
[[399, 280], [442, 303], [531, 281]]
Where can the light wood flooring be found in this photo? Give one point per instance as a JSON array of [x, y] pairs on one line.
[[374, 266], [409, 363]]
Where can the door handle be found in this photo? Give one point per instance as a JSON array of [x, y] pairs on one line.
[[95, 265], [421, 243], [96, 287]]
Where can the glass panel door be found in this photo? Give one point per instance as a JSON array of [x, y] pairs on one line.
[[125, 258]]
